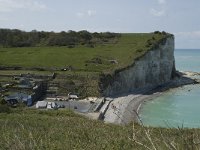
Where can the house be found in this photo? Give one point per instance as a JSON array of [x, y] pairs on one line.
[[15, 98]]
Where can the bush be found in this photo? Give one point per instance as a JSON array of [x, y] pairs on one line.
[[95, 60], [157, 32], [4, 109], [139, 50], [71, 46], [164, 33], [2, 102]]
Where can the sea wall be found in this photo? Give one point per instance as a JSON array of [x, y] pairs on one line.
[[156, 67]]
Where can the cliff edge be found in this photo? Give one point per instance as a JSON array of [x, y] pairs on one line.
[[156, 67]]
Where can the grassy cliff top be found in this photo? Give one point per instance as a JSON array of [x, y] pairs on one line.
[[118, 53]]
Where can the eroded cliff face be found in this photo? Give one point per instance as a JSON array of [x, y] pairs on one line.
[[155, 68]]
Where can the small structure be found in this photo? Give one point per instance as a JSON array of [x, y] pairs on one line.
[[67, 68], [41, 104], [113, 61], [72, 96]]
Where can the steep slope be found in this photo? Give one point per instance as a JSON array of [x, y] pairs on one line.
[[155, 67]]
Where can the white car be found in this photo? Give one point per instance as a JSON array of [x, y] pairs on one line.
[[41, 104], [51, 105]]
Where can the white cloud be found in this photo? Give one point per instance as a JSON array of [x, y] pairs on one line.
[[157, 13], [161, 1], [88, 13], [12, 5]]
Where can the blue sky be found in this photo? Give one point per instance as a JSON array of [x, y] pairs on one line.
[[180, 17]]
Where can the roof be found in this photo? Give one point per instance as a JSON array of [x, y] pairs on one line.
[[18, 96]]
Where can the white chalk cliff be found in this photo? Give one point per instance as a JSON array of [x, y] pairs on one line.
[[155, 68]]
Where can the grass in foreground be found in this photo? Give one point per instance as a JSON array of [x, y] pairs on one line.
[[34, 129]]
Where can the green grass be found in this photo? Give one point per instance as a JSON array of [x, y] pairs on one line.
[[18, 72], [34, 129], [125, 51]]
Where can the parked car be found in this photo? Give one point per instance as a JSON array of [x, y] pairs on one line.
[[51, 105], [60, 106]]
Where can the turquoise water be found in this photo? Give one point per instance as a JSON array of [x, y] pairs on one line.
[[187, 59], [180, 106]]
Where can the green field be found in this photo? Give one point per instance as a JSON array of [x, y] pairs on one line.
[[128, 48], [57, 130]]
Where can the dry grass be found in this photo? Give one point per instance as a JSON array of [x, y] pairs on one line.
[[33, 129]]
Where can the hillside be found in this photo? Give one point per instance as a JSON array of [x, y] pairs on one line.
[[80, 65], [32, 129], [124, 49]]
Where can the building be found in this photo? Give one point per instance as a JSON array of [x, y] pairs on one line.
[[16, 98]]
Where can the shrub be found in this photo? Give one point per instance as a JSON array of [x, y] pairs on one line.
[[139, 50], [157, 32], [164, 33], [2, 102], [4, 109]]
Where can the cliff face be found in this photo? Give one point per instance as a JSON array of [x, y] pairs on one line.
[[155, 68]]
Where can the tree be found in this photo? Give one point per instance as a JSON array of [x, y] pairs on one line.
[[18, 38], [85, 36]]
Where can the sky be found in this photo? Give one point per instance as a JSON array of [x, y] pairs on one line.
[[179, 17]]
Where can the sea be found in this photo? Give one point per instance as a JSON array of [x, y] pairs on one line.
[[179, 107]]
